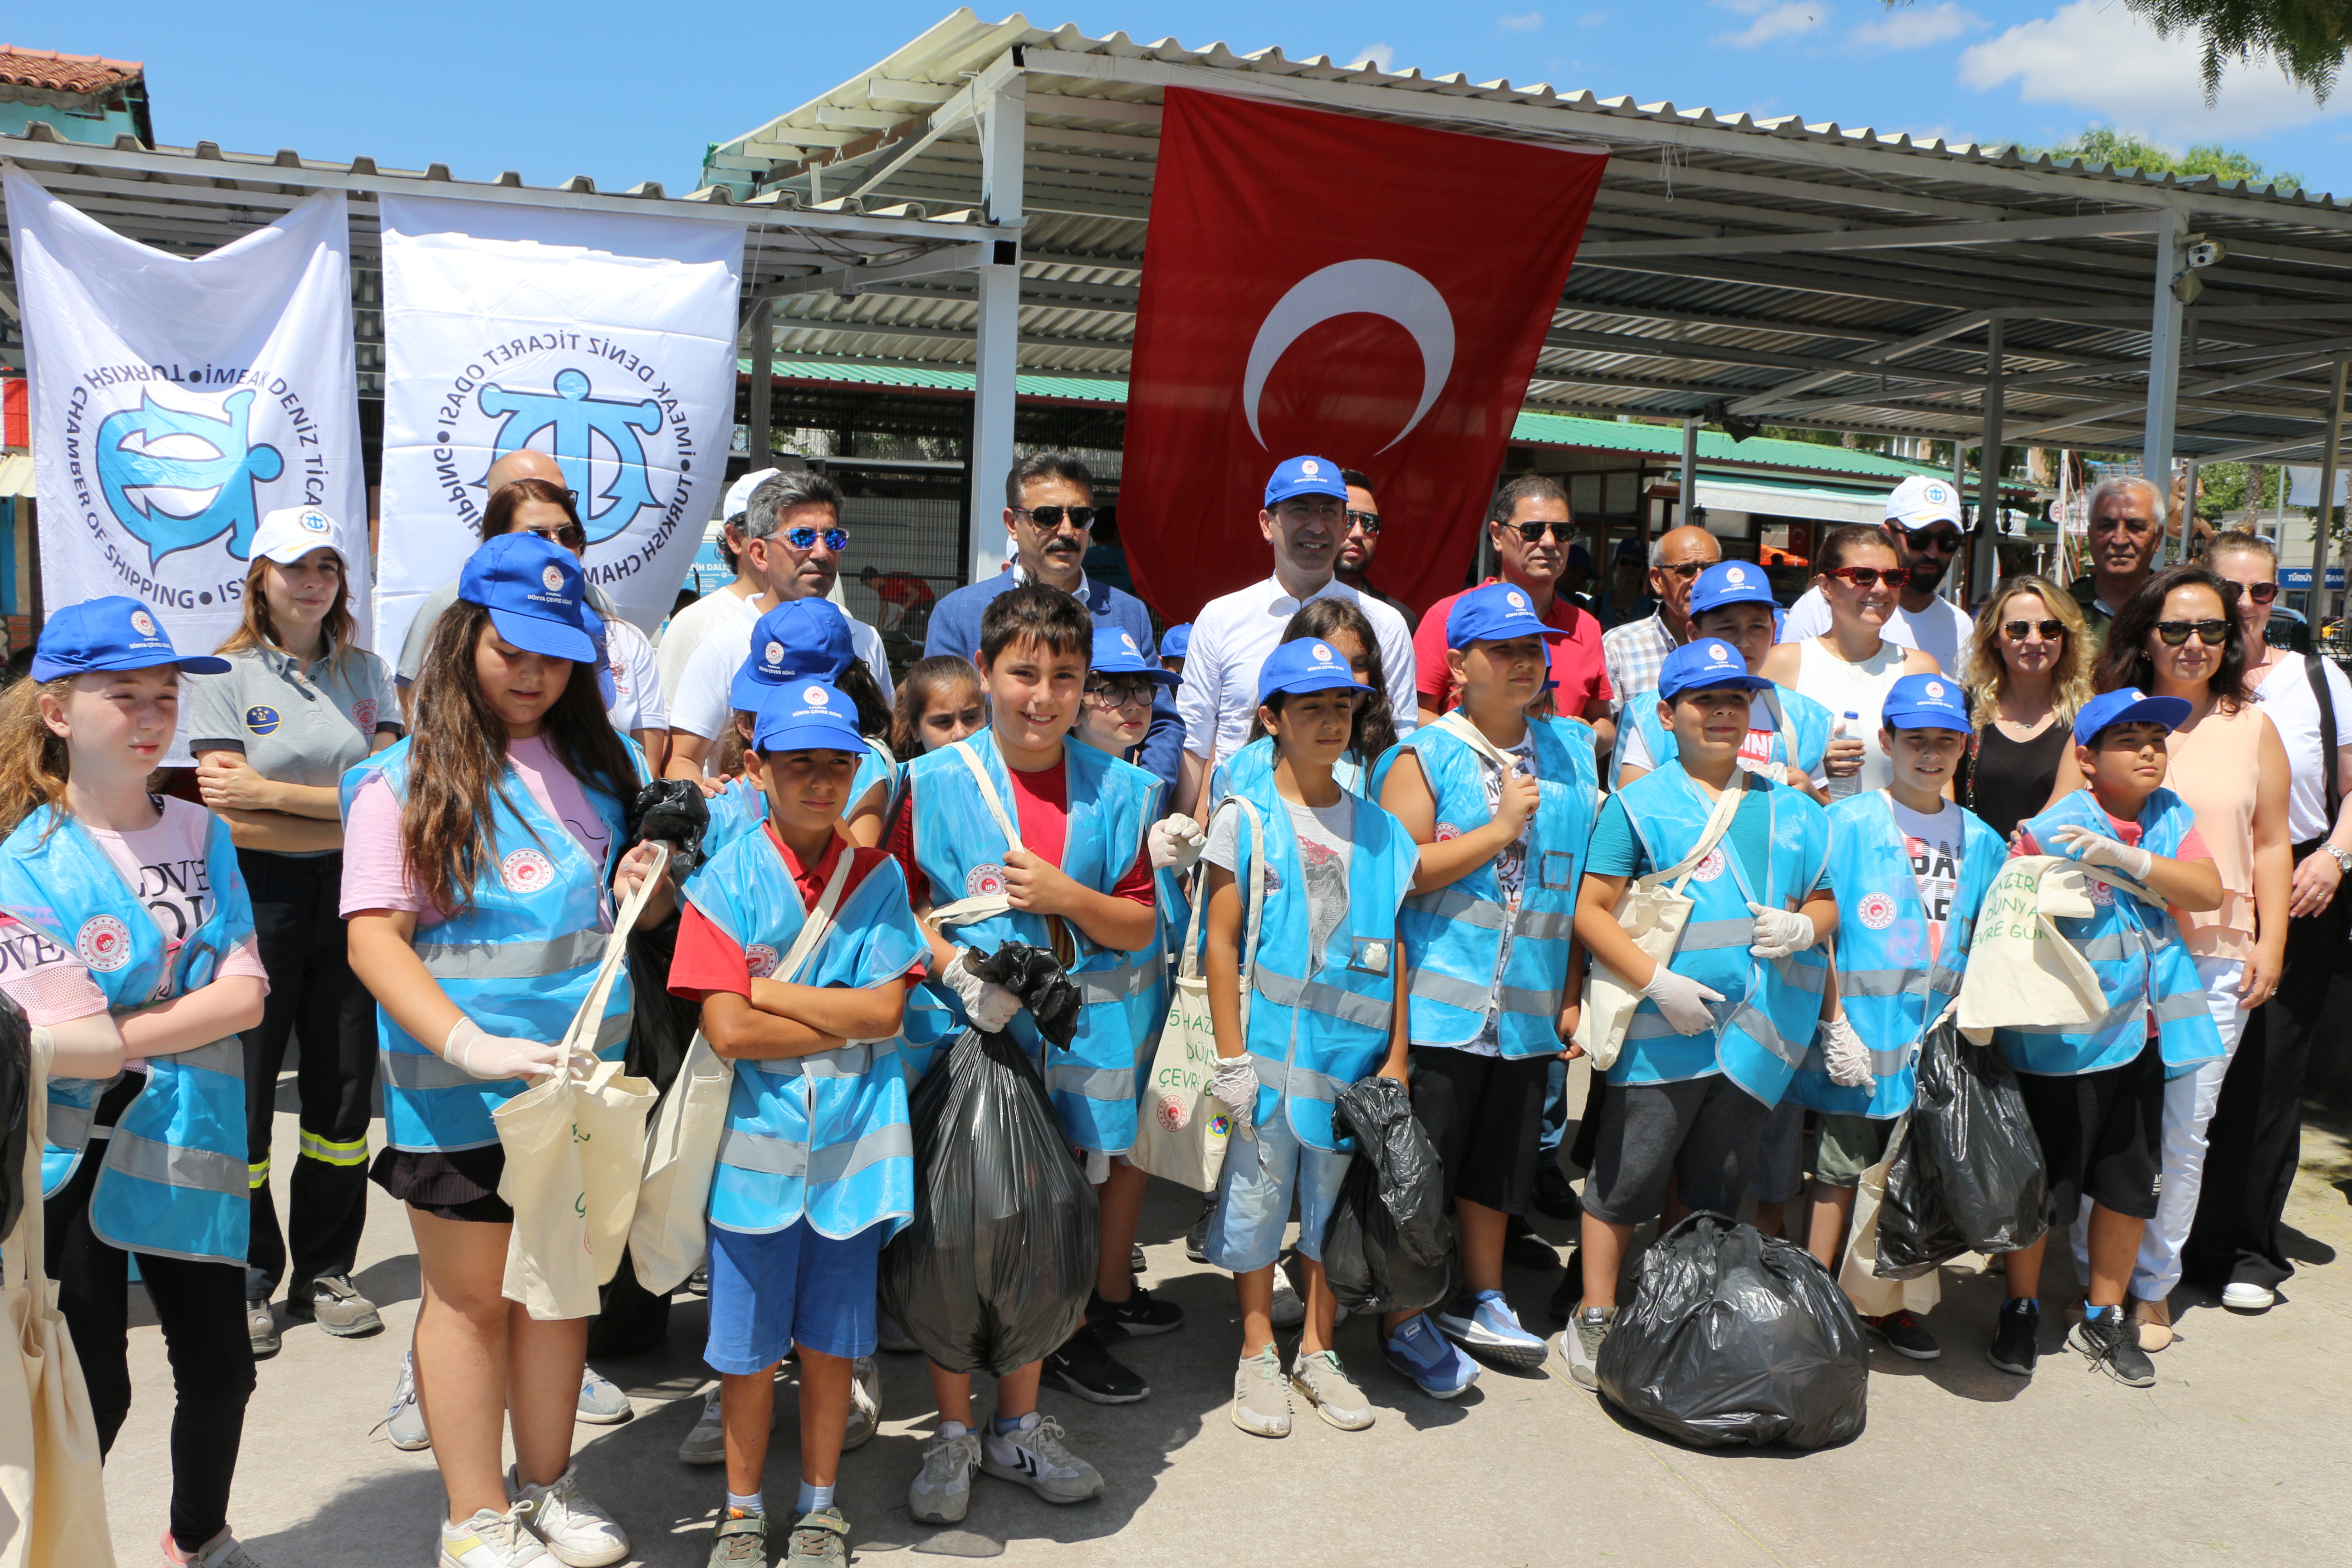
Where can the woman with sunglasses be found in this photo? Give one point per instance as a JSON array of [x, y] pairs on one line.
[[2256, 1133], [2179, 636], [1848, 668], [2027, 667]]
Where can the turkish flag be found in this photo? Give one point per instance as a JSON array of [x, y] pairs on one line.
[[1320, 284]]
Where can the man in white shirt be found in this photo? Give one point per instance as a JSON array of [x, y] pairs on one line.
[[1923, 523], [792, 533], [718, 608], [1305, 519]]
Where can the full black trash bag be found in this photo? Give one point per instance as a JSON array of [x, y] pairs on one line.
[[1736, 1338], [1978, 1144], [1030, 972], [1389, 1246], [675, 811], [1915, 1233], [995, 1270], [16, 1108]]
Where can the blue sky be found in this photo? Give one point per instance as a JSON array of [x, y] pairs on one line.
[[594, 87]]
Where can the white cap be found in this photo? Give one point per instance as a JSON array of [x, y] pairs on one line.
[[1923, 500], [739, 494], [292, 533]]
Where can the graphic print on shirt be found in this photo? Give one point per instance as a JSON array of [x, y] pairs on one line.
[[1937, 871]]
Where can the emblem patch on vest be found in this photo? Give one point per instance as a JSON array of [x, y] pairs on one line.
[[526, 871], [1877, 912], [103, 943], [1712, 867], [984, 881], [761, 960], [2100, 892], [1446, 830]]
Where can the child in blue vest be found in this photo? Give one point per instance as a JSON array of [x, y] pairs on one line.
[[1351, 634], [798, 641], [1013, 835], [128, 938], [1324, 1009], [1912, 868], [483, 859], [2095, 1095], [817, 1168], [1501, 803], [1723, 1025]]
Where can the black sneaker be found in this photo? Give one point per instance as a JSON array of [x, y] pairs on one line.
[[1140, 1313], [1554, 1196], [1196, 1241], [1084, 1367], [2017, 1339], [1905, 1336], [1523, 1249], [2108, 1340], [1571, 1289]]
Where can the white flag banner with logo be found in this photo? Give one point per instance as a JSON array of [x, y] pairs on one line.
[[176, 401], [606, 341]]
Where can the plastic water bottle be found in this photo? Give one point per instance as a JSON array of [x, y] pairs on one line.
[[1839, 788]]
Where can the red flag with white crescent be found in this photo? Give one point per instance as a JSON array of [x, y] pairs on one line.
[[1321, 284]]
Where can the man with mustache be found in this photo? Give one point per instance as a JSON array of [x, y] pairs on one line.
[[2126, 531]]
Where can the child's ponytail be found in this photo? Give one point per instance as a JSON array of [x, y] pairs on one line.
[[33, 760]]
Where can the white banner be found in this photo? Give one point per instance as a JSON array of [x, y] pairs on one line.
[[606, 341], [176, 401]]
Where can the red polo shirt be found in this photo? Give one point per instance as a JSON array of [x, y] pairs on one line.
[[1576, 662]]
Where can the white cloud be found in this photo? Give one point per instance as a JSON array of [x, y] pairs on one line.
[[1376, 57], [1593, 18], [2104, 61], [1913, 29], [1773, 21], [1525, 24]]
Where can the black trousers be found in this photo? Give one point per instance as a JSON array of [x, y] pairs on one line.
[[314, 998], [2256, 1137], [202, 1309]]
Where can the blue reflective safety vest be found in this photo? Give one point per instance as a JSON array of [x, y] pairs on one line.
[[736, 812], [826, 1134], [1891, 985], [175, 1181], [1770, 1007], [1802, 741], [1454, 935], [2135, 950], [1247, 768], [519, 961], [1094, 1083], [1311, 1036]]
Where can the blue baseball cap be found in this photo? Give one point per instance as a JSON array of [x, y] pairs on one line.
[[1307, 664], [1305, 477], [1117, 653], [606, 689], [1175, 640], [1707, 664], [798, 638], [2129, 706], [806, 716], [112, 633], [1730, 583], [1925, 703], [1495, 612], [536, 596]]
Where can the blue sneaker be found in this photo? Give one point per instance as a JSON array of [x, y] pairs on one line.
[[1486, 1324], [1418, 1351]]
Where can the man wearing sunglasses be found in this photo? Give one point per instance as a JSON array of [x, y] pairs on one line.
[[2126, 531], [1362, 543], [1923, 523], [1049, 516]]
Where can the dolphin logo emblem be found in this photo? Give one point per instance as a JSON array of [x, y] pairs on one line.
[[147, 448], [1364, 286]]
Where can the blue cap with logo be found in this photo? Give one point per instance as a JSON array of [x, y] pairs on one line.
[[536, 596], [2129, 706], [1730, 583], [806, 716], [1305, 477], [1925, 703], [1307, 664], [1117, 653], [1175, 640], [1706, 663], [1495, 612], [112, 633], [799, 638]]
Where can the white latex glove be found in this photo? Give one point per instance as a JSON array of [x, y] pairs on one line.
[[1780, 932], [1235, 1083], [495, 1056], [989, 1006], [2098, 849], [1176, 842], [1098, 1167], [1848, 1057], [1682, 1000]]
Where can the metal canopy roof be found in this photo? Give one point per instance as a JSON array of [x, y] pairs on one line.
[[1808, 275]]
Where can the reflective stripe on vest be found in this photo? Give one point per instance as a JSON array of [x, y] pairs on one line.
[[835, 1162], [202, 1169], [424, 1071], [509, 960]]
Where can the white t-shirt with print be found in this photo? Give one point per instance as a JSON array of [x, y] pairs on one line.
[[1327, 846], [1934, 843]]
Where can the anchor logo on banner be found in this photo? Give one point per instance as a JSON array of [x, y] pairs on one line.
[[153, 452], [590, 436]]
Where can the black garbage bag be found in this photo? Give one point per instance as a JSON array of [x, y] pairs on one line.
[[630, 1320], [1735, 1338], [15, 1109], [1915, 1233], [673, 810], [661, 1025], [1977, 1144], [1389, 1243], [995, 1270], [1030, 972]]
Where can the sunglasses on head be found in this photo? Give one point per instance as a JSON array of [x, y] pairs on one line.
[[1533, 532], [2051, 630], [2261, 593], [1369, 522], [2212, 634], [835, 539], [571, 536], [1119, 693], [1870, 576], [1081, 516], [1946, 540]]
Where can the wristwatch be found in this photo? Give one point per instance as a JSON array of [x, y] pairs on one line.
[[2342, 856]]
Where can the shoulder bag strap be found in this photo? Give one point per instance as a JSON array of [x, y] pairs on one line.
[[820, 919], [1718, 822], [25, 1244], [1188, 963], [988, 795], [1458, 726], [616, 953], [2314, 669]]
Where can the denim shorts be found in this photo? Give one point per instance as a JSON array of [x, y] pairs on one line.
[[771, 1292], [1254, 1193]]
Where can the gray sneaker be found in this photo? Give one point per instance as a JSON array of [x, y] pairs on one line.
[[1289, 1311], [1262, 1394], [1034, 1455], [223, 1551], [819, 1539], [1316, 1375], [1579, 1344], [336, 1306], [261, 1327], [602, 1403], [739, 1540], [404, 1424], [942, 1492], [865, 1403], [2108, 1342]]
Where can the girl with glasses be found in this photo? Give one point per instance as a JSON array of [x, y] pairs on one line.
[[2027, 667], [1848, 668]]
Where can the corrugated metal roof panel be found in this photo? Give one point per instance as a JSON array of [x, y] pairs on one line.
[[1714, 447]]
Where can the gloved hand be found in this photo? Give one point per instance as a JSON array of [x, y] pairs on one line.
[[989, 1006], [493, 1058], [2098, 849], [1848, 1057], [1176, 842], [1235, 1083], [1780, 932], [1682, 1000]]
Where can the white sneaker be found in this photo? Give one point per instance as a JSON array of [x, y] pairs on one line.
[[491, 1540], [865, 1403], [1289, 1311], [2240, 1297], [223, 1551], [576, 1531], [942, 1493], [404, 1424], [1034, 1455]]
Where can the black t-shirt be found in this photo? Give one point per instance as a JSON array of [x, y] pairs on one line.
[[2010, 781]]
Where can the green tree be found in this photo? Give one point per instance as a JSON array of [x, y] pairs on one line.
[[2121, 150]]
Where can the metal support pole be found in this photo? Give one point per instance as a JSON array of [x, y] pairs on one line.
[[2163, 359], [1687, 494], [2320, 529], [2188, 510], [1004, 137], [758, 434], [1986, 558]]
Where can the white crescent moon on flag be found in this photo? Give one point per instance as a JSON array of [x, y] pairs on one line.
[[1366, 287]]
